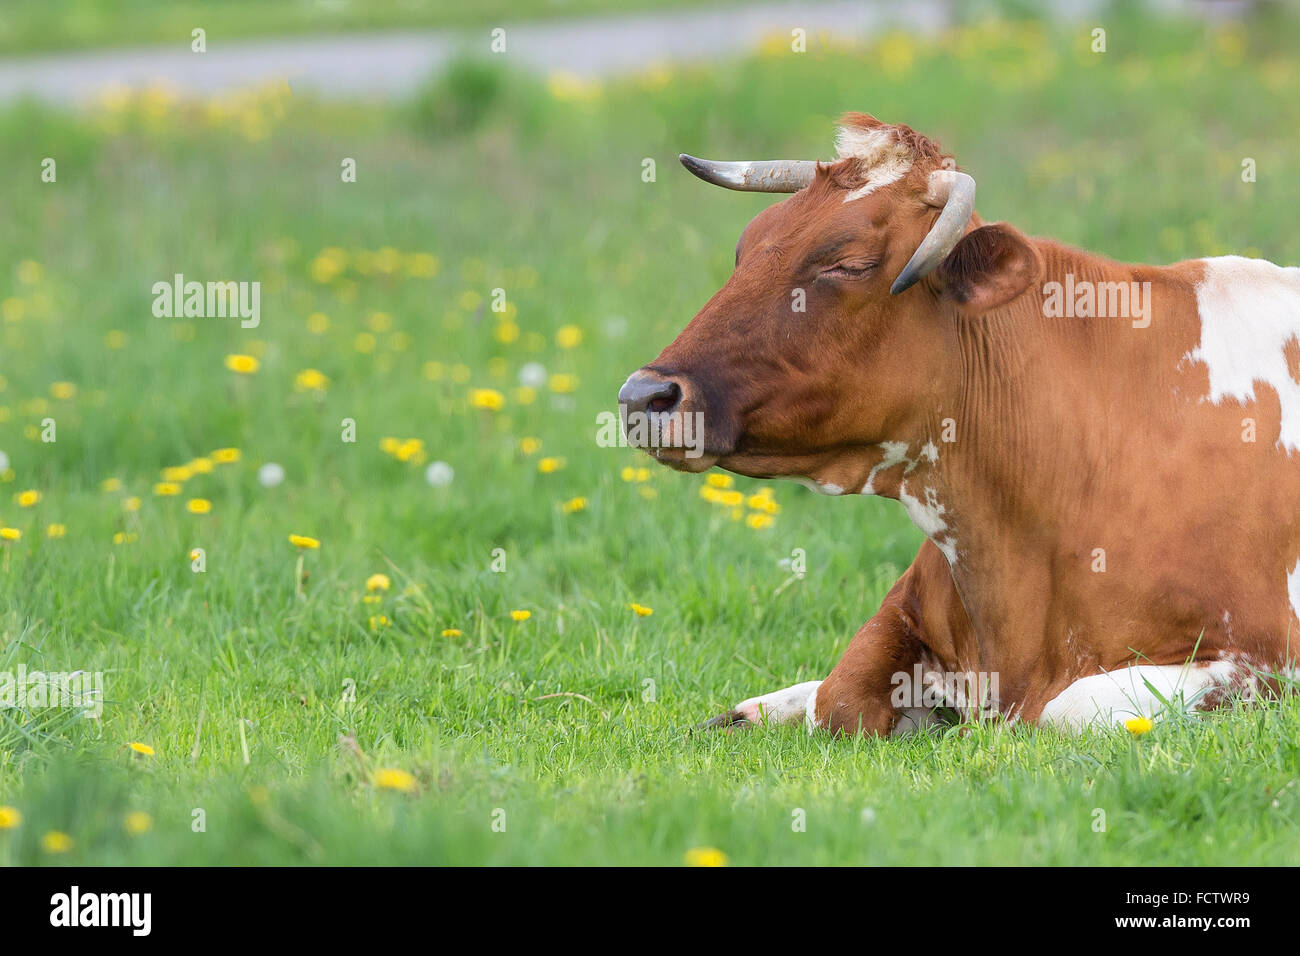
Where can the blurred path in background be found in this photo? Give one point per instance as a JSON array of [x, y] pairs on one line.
[[393, 64], [389, 64]]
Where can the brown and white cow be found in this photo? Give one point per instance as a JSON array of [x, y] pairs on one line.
[[1109, 499]]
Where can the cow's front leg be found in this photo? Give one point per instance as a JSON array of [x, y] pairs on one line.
[[920, 621], [788, 706], [856, 695]]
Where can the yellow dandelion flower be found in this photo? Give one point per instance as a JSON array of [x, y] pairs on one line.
[[573, 505], [451, 632], [568, 337], [410, 450], [55, 530], [648, 493], [731, 499], [390, 446], [318, 323], [422, 265], [137, 822], [140, 748], [30, 272], [371, 599], [310, 380], [177, 474], [167, 489], [10, 534], [201, 466], [328, 264], [377, 621], [364, 343], [124, 537], [243, 364], [549, 465], [131, 504], [718, 480], [378, 582], [391, 779], [506, 332], [530, 446], [198, 506], [28, 498], [304, 542], [525, 395], [110, 485], [520, 615], [705, 856], [488, 398], [225, 456], [1137, 726], [56, 841], [757, 520], [563, 383], [10, 817], [64, 391], [641, 610]]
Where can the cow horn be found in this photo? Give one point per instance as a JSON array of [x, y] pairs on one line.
[[766, 176], [955, 191]]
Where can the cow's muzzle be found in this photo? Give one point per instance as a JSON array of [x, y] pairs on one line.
[[665, 416]]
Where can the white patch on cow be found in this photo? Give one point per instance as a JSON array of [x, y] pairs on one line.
[[1249, 310], [928, 515], [884, 158], [1136, 690], [810, 710], [930, 452], [895, 454], [786, 706]]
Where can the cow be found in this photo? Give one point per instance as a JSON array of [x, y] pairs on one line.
[[1102, 456]]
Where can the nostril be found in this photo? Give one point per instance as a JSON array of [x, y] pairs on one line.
[[643, 392], [666, 399]]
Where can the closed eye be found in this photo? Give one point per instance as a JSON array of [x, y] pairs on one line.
[[848, 270]]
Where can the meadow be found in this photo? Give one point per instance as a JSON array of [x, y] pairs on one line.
[[494, 643]]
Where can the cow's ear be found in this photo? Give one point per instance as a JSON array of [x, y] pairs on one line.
[[988, 268]]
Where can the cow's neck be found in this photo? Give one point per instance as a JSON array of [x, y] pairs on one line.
[[997, 472]]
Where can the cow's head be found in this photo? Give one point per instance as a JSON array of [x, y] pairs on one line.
[[828, 338]]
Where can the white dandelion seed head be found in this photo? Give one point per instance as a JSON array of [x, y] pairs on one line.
[[439, 474], [533, 375], [270, 475]]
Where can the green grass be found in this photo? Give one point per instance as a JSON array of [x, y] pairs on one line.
[[241, 687], [30, 26]]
